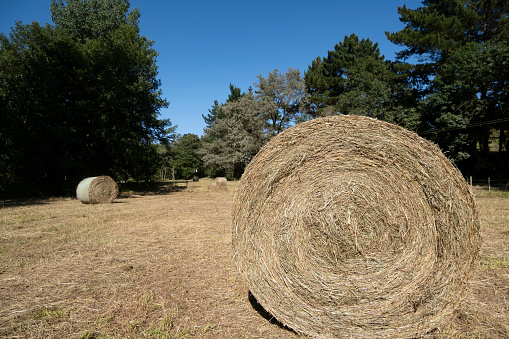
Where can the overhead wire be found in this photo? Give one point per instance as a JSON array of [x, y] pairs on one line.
[[476, 124]]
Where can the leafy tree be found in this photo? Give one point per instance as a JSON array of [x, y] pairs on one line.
[[461, 46], [232, 141], [77, 106], [92, 19], [214, 112], [37, 68], [441, 27], [126, 101], [210, 118], [165, 160], [354, 78], [283, 98], [403, 110], [469, 102], [186, 159]]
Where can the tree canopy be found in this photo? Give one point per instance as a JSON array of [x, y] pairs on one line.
[[283, 98], [92, 19], [462, 49], [215, 112], [82, 97], [353, 79], [186, 159], [441, 27], [234, 138], [78, 102]]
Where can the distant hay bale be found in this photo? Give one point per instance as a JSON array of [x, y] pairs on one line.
[[97, 190], [348, 226], [220, 183]]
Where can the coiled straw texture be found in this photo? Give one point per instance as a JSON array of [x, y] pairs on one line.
[[348, 226], [97, 190]]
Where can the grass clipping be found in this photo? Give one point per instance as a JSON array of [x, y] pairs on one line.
[[348, 226], [97, 190]]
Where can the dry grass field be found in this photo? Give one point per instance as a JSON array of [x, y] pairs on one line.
[[159, 265]]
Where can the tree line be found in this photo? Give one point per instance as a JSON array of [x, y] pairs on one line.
[[78, 98], [82, 96], [449, 84]]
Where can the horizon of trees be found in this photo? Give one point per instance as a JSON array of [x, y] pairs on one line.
[[78, 98], [455, 95], [82, 97]]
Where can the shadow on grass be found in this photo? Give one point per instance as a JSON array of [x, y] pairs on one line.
[[23, 202], [125, 190], [264, 313], [150, 188]]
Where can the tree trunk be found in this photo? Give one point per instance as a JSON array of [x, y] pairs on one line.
[[502, 140]]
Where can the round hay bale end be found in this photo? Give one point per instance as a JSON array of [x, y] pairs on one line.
[[348, 226], [97, 190], [220, 183]]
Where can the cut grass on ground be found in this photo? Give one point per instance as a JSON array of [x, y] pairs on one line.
[[160, 265]]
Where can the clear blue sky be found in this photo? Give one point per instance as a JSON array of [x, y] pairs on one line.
[[205, 45]]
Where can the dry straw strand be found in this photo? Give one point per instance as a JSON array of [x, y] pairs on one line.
[[97, 190], [348, 226]]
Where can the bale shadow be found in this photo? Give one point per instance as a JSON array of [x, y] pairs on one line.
[[23, 202], [149, 188], [264, 313]]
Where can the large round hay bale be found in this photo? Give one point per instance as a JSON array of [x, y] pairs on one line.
[[97, 190], [220, 183], [348, 226]]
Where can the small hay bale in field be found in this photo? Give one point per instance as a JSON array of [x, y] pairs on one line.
[[220, 183], [348, 226], [97, 190]]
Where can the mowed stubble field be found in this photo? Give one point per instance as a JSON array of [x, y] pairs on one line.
[[160, 265]]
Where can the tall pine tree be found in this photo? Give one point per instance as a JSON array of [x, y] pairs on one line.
[[215, 113], [233, 139], [460, 47], [354, 78]]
